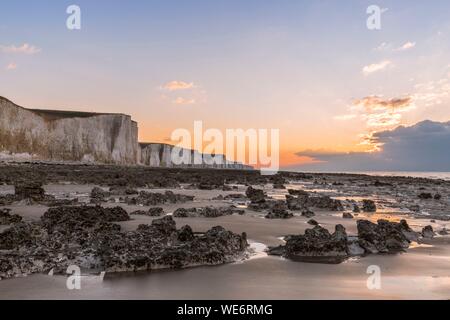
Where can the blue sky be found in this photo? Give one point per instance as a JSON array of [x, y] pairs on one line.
[[293, 65]]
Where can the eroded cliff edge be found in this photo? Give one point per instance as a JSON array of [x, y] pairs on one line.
[[67, 136], [101, 138]]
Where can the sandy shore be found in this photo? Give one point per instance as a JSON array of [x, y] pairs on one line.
[[423, 272]]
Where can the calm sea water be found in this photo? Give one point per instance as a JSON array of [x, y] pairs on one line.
[[429, 175]]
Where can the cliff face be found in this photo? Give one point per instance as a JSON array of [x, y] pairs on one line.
[[159, 155], [68, 136], [50, 135]]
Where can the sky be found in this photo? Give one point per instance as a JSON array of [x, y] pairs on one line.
[[311, 69]]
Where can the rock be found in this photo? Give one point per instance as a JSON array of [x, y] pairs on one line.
[[255, 195], [122, 190], [296, 203], [369, 206], [279, 211], [304, 201], [155, 212], [313, 222], [152, 212], [278, 186], [428, 232], [29, 190], [382, 184], [234, 196], [99, 195], [152, 199], [7, 218], [353, 247], [356, 208], [444, 232], [185, 234], [425, 196], [185, 213], [308, 213], [298, 192], [317, 245], [384, 237], [437, 196], [409, 233], [347, 215]]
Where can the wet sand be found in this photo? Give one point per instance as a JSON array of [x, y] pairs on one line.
[[423, 272]]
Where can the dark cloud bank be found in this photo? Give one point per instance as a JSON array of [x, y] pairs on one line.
[[422, 147]]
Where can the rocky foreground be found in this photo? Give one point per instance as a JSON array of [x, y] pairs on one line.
[[87, 234]]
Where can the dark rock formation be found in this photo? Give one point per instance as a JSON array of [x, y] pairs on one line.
[[255, 195], [7, 218], [347, 215], [206, 212], [384, 237], [122, 190], [279, 211], [98, 195], [308, 213], [303, 201], [152, 212], [86, 236], [369, 206], [313, 222], [428, 232], [317, 245], [152, 199], [425, 196]]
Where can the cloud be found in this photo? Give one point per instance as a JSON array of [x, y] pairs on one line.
[[183, 101], [424, 146], [345, 117], [432, 93], [177, 85], [376, 103], [23, 49], [408, 45], [383, 47], [372, 68], [11, 66], [379, 112]]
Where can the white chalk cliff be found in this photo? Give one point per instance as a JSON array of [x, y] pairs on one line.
[[50, 135]]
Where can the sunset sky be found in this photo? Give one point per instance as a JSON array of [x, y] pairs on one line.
[[309, 68]]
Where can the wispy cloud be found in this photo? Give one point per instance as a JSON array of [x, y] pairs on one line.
[[177, 85], [183, 101], [386, 46], [11, 66], [345, 117], [376, 67], [378, 112], [408, 45], [23, 49]]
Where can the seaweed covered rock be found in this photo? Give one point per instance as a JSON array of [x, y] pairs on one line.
[[7, 218], [152, 199], [383, 236], [279, 211], [317, 245], [369, 206], [305, 200], [86, 236]]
